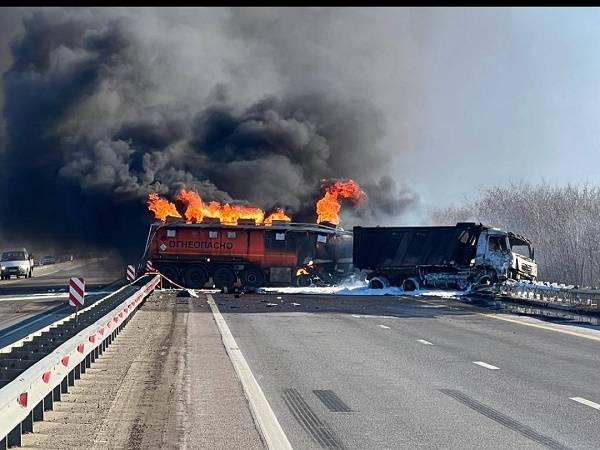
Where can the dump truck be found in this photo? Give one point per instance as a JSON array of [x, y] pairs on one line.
[[460, 256], [246, 254]]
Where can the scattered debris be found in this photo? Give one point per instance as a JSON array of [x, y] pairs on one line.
[[272, 304], [296, 304]]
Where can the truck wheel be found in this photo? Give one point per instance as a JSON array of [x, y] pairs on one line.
[[303, 281], [224, 278], [410, 284], [485, 280], [170, 272], [195, 277], [379, 283], [253, 277]]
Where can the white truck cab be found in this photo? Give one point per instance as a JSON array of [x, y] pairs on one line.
[[18, 262], [506, 255]]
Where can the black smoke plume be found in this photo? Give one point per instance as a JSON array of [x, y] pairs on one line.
[[90, 132]]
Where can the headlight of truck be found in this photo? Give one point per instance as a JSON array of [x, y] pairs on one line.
[[3, 268]]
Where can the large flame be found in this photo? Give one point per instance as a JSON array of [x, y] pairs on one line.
[[196, 210], [278, 214], [329, 206], [162, 208]]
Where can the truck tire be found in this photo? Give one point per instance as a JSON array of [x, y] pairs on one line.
[[485, 280], [410, 284], [195, 277], [170, 272], [252, 277], [379, 283], [224, 278]]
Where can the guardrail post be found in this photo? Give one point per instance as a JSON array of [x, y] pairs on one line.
[[14, 437], [49, 401], [96, 353], [64, 386], [56, 393], [3, 444], [82, 366], [38, 412], [27, 424], [77, 372], [71, 378]]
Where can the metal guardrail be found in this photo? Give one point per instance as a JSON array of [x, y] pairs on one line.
[[582, 299], [33, 376]]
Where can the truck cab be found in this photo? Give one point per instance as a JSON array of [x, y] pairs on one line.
[[18, 262], [505, 255]]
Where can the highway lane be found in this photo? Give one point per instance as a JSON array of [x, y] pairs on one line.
[[432, 375], [28, 304]]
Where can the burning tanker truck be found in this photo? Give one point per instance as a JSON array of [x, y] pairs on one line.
[[457, 256], [240, 246]]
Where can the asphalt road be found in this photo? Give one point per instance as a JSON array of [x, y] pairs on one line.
[[27, 304], [393, 372]]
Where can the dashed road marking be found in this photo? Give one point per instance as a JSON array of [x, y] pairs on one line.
[[424, 342], [384, 327], [486, 365], [354, 315], [586, 402]]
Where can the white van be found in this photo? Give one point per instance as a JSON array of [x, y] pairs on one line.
[[16, 262]]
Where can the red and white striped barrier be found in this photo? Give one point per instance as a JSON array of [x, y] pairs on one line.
[[130, 273], [19, 398], [149, 267], [76, 292]]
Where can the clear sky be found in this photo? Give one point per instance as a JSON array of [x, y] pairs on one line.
[[498, 95]]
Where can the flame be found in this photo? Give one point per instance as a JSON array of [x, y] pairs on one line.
[[161, 207], [196, 210], [278, 214], [329, 206]]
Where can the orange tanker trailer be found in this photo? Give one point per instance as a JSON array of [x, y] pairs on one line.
[[194, 254]]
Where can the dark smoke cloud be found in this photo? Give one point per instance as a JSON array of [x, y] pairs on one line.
[[97, 116]]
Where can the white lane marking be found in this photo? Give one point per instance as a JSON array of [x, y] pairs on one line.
[[384, 327], [433, 306], [423, 341], [354, 315], [586, 402], [265, 418], [486, 365]]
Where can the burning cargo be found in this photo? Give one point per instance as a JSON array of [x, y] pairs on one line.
[[247, 253], [442, 256]]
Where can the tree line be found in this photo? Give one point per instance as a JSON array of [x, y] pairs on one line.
[[563, 223]]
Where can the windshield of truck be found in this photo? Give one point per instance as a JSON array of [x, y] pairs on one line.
[[13, 256], [522, 249]]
